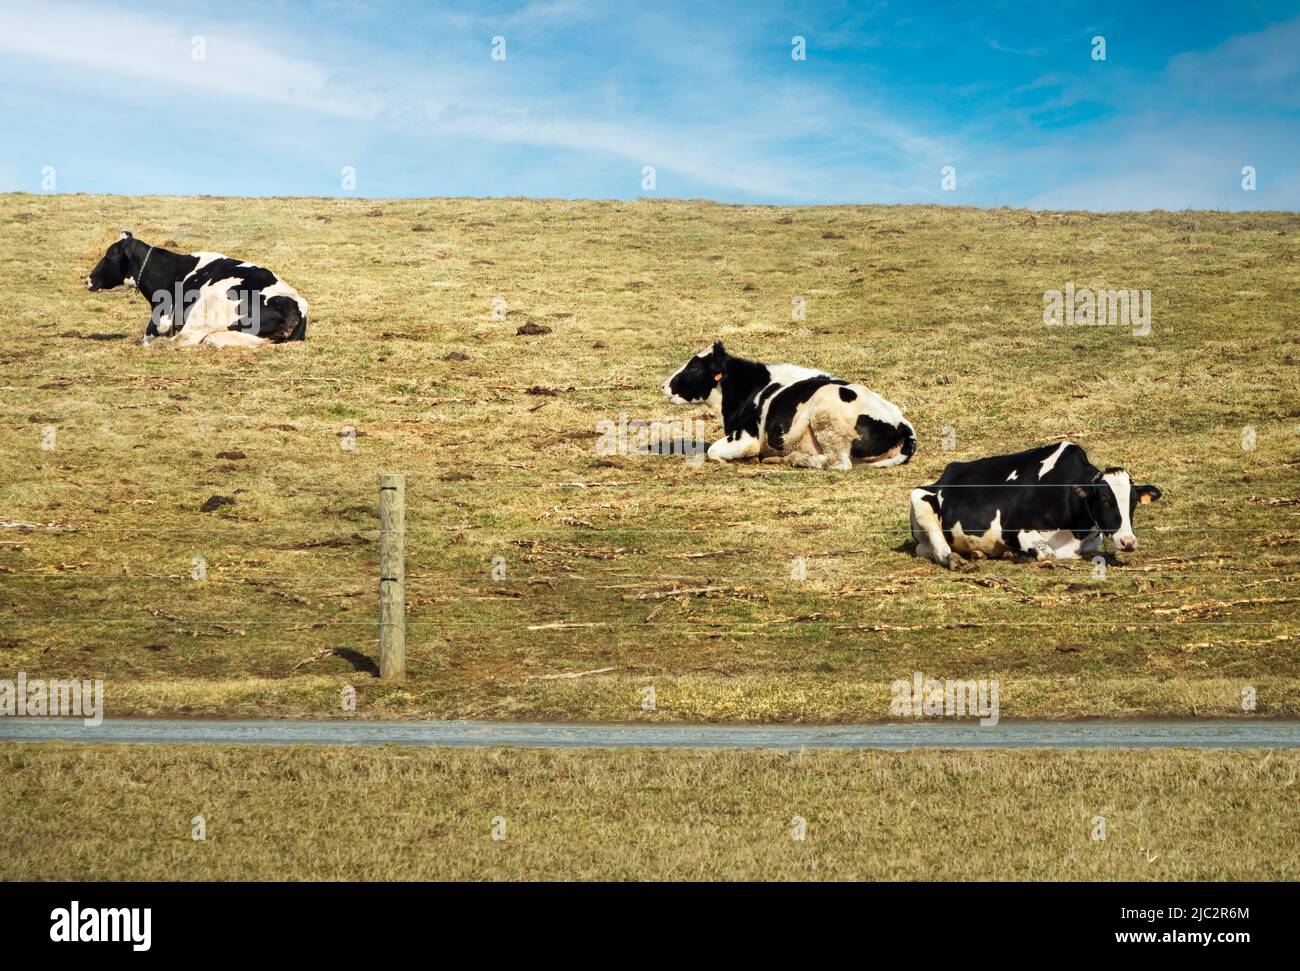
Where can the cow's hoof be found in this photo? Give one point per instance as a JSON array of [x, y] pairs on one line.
[[955, 562]]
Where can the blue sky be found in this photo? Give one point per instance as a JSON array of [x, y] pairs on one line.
[[111, 97]]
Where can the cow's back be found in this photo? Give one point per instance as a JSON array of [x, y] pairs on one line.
[[1025, 490]]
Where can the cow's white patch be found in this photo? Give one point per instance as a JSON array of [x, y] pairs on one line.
[[714, 401], [232, 338], [1061, 544], [1049, 463], [1065, 544], [790, 373], [727, 449], [213, 310], [871, 404], [989, 542], [1013, 476], [1122, 486], [1031, 539]]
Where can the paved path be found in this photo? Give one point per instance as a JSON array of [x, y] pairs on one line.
[[462, 734]]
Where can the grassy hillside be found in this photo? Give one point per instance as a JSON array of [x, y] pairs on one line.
[[672, 575], [315, 814]]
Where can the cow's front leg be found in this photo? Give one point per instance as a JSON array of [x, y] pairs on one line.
[[927, 530], [728, 449]]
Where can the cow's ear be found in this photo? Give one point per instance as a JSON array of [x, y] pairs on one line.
[[126, 234], [1148, 493], [718, 361]]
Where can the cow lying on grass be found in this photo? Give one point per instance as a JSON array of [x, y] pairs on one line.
[[220, 302], [784, 413], [1048, 502]]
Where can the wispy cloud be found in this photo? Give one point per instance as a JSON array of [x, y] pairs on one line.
[[1006, 49], [592, 91], [1262, 67], [136, 51]]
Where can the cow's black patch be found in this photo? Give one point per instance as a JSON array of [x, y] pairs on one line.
[[786, 402], [224, 268], [278, 319], [294, 327], [848, 394], [744, 388], [876, 437]]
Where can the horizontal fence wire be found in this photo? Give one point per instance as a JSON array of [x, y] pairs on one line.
[[316, 542], [881, 627], [1082, 567]]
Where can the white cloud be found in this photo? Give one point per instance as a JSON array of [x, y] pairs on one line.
[[1259, 67], [135, 50]]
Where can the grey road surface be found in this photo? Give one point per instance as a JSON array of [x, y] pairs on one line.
[[468, 734]]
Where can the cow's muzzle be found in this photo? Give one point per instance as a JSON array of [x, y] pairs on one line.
[[1126, 544], [90, 285]]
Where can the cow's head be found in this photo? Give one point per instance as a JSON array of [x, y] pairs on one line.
[[1111, 498], [115, 267], [697, 378]]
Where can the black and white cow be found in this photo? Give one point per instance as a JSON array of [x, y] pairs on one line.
[[1048, 502], [786, 413], [220, 302]]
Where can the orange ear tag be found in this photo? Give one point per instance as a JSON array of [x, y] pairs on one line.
[[718, 376], [1145, 499]]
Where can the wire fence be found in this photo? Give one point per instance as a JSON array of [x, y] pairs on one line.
[[1146, 597]]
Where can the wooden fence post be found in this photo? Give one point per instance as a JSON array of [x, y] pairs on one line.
[[392, 576]]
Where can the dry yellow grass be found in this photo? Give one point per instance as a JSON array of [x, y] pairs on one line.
[[101, 813], [937, 308]]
